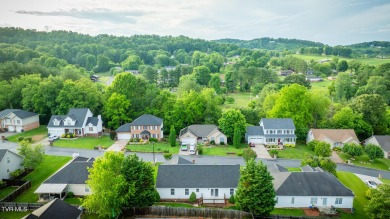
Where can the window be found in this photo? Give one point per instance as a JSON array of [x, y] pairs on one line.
[[339, 201], [145, 127], [231, 191], [8, 160], [216, 192], [68, 122], [18, 121], [90, 129], [187, 191], [7, 170], [172, 191], [197, 190], [222, 140], [155, 127], [313, 201], [324, 201], [292, 200], [279, 131], [212, 192]]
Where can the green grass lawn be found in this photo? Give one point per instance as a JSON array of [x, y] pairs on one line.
[[358, 187], [322, 86], [158, 147], [174, 204], [364, 161], [294, 169], [13, 214], [6, 191], [289, 212], [45, 169], [36, 134], [386, 181], [241, 99], [222, 150], [295, 153], [84, 142], [370, 61], [73, 200]]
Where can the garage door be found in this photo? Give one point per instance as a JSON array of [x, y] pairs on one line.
[[255, 140], [123, 136], [189, 140], [11, 128]]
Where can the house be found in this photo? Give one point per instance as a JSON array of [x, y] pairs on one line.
[[144, 127], [17, 120], [78, 121], [285, 72], [382, 141], [194, 134], [311, 187], [214, 183], [71, 177], [9, 162], [272, 132], [314, 79], [335, 137], [57, 209]]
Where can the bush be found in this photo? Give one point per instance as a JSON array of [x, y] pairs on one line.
[[70, 195], [165, 151], [312, 144], [232, 200], [28, 139], [67, 136], [2, 183], [63, 136], [322, 149], [368, 194], [112, 135], [153, 139], [248, 154], [229, 100], [168, 156], [20, 139], [374, 151], [338, 149], [16, 173], [158, 149], [239, 153], [212, 142], [353, 149], [200, 150], [273, 152], [192, 198], [221, 143], [290, 145]]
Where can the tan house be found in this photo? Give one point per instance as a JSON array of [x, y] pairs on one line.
[[198, 134], [335, 137], [382, 141], [144, 127], [17, 120]]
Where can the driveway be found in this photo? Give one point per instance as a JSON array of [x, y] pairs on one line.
[[119, 145], [261, 151], [371, 178]]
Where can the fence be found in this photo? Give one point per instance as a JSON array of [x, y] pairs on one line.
[[17, 206], [163, 211], [17, 192]]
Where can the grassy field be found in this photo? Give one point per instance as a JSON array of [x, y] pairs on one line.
[[358, 187], [221, 150], [174, 204], [364, 161], [289, 212], [49, 166], [6, 191], [13, 214], [370, 61], [158, 147], [295, 153], [73, 201], [322, 86], [241, 99], [386, 181], [36, 134], [84, 143]]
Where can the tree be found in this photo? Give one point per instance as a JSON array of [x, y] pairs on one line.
[[202, 75], [132, 63], [297, 79], [248, 154], [346, 118], [374, 151], [320, 103], [172, 136], [187, 83], [353, 149], [376, 85], [236, 137], [324, 162], [343, 86], [342, 66], [116, 110], [378, 207], [255, 191], [215, 82], [33, 155], [322, 149], [103, 63], [230, 119], [110, 188]]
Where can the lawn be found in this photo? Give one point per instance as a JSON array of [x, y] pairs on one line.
[[295, 153], [84, 142], [289, 212], [159, 147], [45, 169], [322, 86], [73, 200], [36, 134], [370, 61], [13, 214], [294, 169], [358, 187], [174, 204], [241, 99], [221, 150], [6, 191], [364, 161], [386, 181]]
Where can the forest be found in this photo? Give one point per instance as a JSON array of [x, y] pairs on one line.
[[191, 81]]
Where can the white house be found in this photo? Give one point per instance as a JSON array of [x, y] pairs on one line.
[[382, 141], [272, 132], [9, 162], [214, 183], [334, 137], [312, 187], [57, 209], [71, 177], [144, 127], [17, 120], [194, 134], [78, 121]]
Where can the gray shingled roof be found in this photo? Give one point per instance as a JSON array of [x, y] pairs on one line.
[[4, 151], [75, 172], [18, 112], [199, 130], [279, 123], [254, 130], [383, 141], [77, 114], [57, 209], [312, 184], [147, 119], [124, 128], [6, 112], [198, 176], [93, 120]]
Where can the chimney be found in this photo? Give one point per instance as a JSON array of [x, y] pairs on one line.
[[193, 161]]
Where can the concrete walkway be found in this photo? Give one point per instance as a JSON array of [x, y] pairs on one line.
[[119, 145], [335, 158], [261, 151]]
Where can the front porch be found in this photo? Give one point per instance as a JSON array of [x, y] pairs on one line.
[[48, 192]]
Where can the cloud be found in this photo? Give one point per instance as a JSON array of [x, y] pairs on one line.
[[97, 14]]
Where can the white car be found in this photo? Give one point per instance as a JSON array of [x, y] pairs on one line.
[[53, 137], [192, 149], [371, 184]]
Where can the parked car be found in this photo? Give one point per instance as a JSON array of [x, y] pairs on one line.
[[184, 147], [371, 184], [192, 149], [53, 137]]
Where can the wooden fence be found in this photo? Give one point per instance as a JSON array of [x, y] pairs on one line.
[[18, 206], [17, 192]]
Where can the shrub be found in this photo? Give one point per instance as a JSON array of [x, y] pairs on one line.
[[20, 139], [166, 151], [273, 152], [337, 149], [322, 149], [153, 139], [28, 139], [239, 153], [353, 149], [168, 156], [158, 149], [200, 150], [70, 195], [368, 193], [212, 142], [290, 145], [229, 100], [16, 173], [67, 136], [2, 183], [248, 154], [312, 144], [374, 151], [232, 200], [63, 136], [192, 198], [112, 135], [221, 143]]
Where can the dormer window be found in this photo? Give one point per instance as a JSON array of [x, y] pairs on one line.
[[56, 122], [68, 122]]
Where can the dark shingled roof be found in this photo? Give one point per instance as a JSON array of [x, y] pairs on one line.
[[93, 120], [75, 172], [198, 176], [383, 141], [57, 209], [6, 112], [147, 119], [312, 184], [124, 128], [279, 123], [77, 114], [199, 130], [254, 130], [4, 151], [18, 112]]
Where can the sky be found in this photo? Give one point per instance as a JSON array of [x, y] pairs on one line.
[[332, 22]]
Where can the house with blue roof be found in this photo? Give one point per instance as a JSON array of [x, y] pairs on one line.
[[275, 131]]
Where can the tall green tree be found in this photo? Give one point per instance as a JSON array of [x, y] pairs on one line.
[[324, 162], [202, 75], [116, 110], [172, 136], [255, 191], [346, 118], [378, 207], [132, 62], [32, 155], [215, 82], [374, 151], [230, 120], [237, 137], [297, 79], [343, 86]]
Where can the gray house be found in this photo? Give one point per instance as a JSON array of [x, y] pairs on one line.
[[17, 120], [57, 209], [144, 127], [202, 133], [382, 141], [9, 162], [272, 132]]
